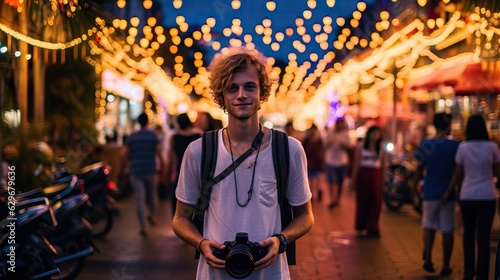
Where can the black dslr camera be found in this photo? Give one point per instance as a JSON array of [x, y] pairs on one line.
[[240, 255]]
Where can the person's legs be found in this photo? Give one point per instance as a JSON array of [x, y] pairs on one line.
[[339, 176], [429, 235], [138, 185], [173, 199], [430, 222], [362, 198], [150, 182], [485, 214], [375, 203], [447, 249], [330, 176], [447, 226], [467, 208]]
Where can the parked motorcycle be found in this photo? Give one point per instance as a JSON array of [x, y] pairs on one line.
[[96, 184], [94, 181], [71, 235], [26, 253], [398, 189]]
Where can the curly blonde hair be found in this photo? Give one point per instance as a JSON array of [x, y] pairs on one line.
[[225, 65]]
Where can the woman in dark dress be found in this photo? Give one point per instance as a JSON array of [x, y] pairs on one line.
[[368, 180], [313, 147], [185, 134]]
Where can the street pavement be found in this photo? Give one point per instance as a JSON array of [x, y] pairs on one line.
[[331, 250]]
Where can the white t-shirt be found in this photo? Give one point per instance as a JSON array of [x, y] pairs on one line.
[[260, 218], [336, 154], [478, 158], [369, 158]]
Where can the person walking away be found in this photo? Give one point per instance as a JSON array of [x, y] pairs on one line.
[[205, 122], [368, 180], [161, 188], [336, 159], [436, 156], [141, 149], [247, 199], [313, 147], [477, 163], [185, 134]]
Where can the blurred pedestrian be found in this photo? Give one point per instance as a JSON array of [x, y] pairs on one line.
[[289, 129], [435, 156], [205, 122], [141, 150], [336, 157], [185, 134], [368, 180], [313, 147], [477, 163]]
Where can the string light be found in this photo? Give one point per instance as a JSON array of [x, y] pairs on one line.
[[39, 43]]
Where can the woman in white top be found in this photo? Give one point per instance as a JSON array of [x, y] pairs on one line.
[[336, 159], [477, 162]]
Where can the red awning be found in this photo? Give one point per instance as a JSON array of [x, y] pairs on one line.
[[466, 79]]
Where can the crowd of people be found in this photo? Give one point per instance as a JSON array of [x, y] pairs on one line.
[[242, 196]]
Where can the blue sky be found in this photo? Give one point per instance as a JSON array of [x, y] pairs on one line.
[[252, 12]]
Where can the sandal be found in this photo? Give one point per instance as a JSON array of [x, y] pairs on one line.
[[151, 221], [446, 271], [428, 266]]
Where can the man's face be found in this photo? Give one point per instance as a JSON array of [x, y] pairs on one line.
[[242, 99]]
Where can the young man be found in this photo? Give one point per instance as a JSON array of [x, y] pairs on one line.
[[437, 157], [247, 199]]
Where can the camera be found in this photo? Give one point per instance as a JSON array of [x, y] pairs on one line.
[[240, 255]]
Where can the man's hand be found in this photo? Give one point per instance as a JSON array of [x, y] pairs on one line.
[[444, 197], [207, 249], [351, 187], [273, 245]]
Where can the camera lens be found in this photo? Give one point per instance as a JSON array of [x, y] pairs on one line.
[[239, 262]]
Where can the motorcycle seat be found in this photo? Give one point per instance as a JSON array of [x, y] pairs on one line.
[[63, 188], [69, 204], [29, 210]]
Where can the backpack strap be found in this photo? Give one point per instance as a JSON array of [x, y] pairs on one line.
[[209, 141], [281, 161]]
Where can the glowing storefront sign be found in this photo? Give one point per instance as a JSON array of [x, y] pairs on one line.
[[121, 86]]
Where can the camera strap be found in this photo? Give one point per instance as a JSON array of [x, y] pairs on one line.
[[206, 186]]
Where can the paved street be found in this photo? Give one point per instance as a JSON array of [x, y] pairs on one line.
[[330, 251]]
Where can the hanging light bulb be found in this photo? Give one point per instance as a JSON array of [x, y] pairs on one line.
[[271, 6], [147, 4], [311, 4], [121, 3], [177, 4], [422, 3], [236, 4], [330, 3]]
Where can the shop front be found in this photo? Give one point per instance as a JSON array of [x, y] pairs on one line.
[[124, 102], [465, 89]]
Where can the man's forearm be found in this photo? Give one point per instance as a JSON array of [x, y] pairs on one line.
[[186, 231], [300, 225]]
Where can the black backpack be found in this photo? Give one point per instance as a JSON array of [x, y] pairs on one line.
[[281, 161]]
